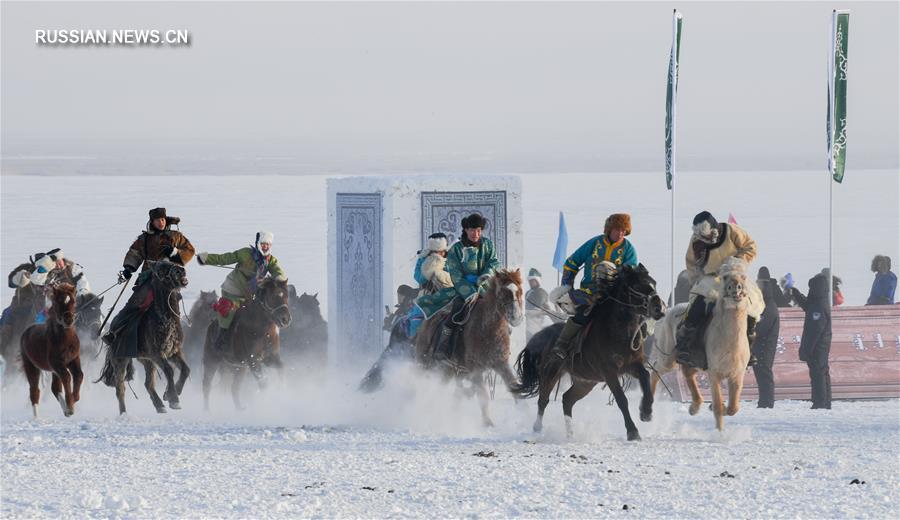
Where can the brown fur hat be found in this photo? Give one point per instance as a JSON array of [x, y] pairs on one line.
[[618, 220]]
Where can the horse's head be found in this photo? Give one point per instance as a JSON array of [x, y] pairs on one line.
[[274, 296], [506, 287], [63, 304], [637, 289], [733, 282], [169, 275], [208, 298], [89, 312]]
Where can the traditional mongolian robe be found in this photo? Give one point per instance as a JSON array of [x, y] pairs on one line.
[[240, 284], [466, 263]]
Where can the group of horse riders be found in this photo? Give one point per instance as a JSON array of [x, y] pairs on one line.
[[448, 276], [158, 242]]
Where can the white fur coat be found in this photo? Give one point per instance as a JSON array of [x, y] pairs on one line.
[[433, 270]]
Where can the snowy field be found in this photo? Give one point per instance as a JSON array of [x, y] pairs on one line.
[[313, 449], [411, 451]]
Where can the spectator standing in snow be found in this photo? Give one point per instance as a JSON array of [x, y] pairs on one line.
[[815, 344], [766, 339], [885, 284]]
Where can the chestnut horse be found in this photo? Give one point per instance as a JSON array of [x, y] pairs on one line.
[[254, 339], [484, 336], [53, 346]]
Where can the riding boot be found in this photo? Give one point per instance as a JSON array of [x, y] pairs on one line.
[[751, 337], [688, 353], [564, 342], [442, 351], [222, 339]]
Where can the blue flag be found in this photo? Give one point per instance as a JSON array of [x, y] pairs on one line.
[[562, 243]]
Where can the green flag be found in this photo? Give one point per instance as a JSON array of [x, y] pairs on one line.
[[836, 123], [671, 94]]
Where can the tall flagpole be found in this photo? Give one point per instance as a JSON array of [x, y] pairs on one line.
[[836, 121], [671, 95]]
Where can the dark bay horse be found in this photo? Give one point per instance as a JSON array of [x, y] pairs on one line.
[[612, 345], [484, 337], [159, 340], [53, 346], [306, 339], [254, 339], [87, 322]]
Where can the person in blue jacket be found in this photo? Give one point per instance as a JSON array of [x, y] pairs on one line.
[[609, 248], [885, 284]]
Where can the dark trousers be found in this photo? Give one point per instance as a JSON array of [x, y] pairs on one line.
[[820, 375], [764, 349]]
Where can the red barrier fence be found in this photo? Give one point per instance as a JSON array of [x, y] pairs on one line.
[[864, 360]]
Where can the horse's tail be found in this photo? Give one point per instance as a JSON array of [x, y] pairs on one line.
[[108, 374], [528, 372]]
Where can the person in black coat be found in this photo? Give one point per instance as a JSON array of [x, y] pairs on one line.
[[815, 344], [766, 339]]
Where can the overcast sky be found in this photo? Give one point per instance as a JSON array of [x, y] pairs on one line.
[[484, 87]]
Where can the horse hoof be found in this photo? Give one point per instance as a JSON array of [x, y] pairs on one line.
[[646, 416], [488, 423], [731, 411], [694, 409], [175, 405], [634, 436], [69, 413], [161, 409]]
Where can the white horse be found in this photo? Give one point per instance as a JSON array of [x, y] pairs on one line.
[[725, 340]]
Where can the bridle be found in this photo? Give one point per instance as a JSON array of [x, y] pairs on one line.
[[269, 311]]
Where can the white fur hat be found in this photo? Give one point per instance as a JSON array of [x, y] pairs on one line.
[[56, 254], [436, 244], [265, 237]]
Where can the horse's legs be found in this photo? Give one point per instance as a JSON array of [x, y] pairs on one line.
[[33, 374], [150, 385], [184, 371], [717, 405], [120, 366], [67, 402], [571, 396], [236, 387], [57, 389], [690, 375], [170, 394], [77, 377], [479, 385], [546, 387], [507, 375], [613, 383], [735, 386], [644, 378], [210, 365]]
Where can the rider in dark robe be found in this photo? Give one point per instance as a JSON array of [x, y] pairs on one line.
[[157, 242]]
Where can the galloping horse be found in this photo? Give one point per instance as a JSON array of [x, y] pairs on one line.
[[612, 345], [485, 336], [159, 340], [53, 346], [254, 340], [725, 341], [198, 319]]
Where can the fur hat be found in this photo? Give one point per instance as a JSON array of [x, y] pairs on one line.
[[264, 237], [534, 274], [706, 227], [156, 213], [474, 221], [436, 242], [56, 254], [618, 220], [763, 273]]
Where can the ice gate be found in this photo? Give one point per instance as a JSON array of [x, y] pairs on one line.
[[375, 227]]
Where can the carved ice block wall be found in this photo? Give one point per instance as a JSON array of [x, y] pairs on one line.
[[375, 227]]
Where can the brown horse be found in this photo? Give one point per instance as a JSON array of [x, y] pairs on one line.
[[612, 346], [484, 336], [53, 346], [254, 339]]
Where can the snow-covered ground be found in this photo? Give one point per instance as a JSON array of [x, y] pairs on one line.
[[322, 450], [313, 449]]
